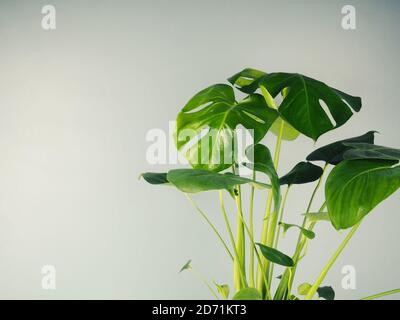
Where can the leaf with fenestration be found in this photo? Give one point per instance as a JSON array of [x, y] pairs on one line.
[[247, 294], [370, 151], [303, 107], [186, 266], [261, 161], [275, 256], [193, 181], [303, 172], [326, 293], [307, 233], [333, 152], [206, 126], [155, 178], [355, 187], [223, 290]]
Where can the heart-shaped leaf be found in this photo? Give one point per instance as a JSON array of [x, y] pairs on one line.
[[302, 107], [261, 159], [247, 294], [307, 233], [369, 151], [333, 152], [355, 187], [326, 293], [206, 126], [193, 181], [275, 256], [303, 172], [155, 178]]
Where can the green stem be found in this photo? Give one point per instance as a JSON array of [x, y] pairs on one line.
[[210, 224], [330, 263], [254, 247], [251, 223], [228, 226], [382, 294], [302, 239], [240, 244], [266, 224], [275, 245]]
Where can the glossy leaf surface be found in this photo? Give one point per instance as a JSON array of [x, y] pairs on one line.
[[333, 153], [355, 187], [303, 172], [206, 126]]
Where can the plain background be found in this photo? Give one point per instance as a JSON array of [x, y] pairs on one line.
[[76, 104]]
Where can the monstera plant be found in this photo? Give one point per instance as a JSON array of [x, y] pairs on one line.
[[358, 175]]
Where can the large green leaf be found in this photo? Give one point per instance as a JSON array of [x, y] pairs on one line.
[[206, 125], [369, 151], [247, 294], [355, 187], [261, 159], [193, 180], [302, 106], [275, 256], [333, 153], [303, 172]]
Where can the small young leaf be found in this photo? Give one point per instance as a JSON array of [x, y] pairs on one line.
[[333, 153], [193, 181], [275, 256], [326, 293], [155, 178], [247, 294], [303, 289], [223, 290], [317, 216], [307, 233], [186, 266], [370, 151], [355, 187], [303, 172]]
